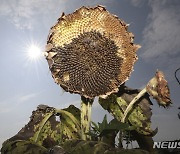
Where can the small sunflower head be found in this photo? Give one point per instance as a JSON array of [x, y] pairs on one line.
[[158, 88], [90, 52]]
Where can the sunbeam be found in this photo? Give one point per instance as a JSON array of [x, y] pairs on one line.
[[33, 52]]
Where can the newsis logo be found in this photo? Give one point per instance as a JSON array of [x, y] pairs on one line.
[[167, 145]]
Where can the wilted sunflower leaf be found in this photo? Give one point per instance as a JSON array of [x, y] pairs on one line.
[[140, 115], [98, 147], [44, 130], [85, 147], [23, 147], [70, 122]]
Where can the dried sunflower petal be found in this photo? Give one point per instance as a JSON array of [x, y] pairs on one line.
[[90, 52]]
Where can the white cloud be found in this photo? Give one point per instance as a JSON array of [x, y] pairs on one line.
[[161, 37], [9, 104], [137, 3], [27, 97], [24, 13]]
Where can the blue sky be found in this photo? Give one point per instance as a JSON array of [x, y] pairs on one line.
[[25, 84]]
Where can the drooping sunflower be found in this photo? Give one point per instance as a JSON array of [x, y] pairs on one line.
[[90, 52]]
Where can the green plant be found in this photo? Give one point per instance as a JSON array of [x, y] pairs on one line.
[[90, 52], [100, 130]]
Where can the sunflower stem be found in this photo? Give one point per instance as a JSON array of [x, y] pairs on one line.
[[86, 105], [131, 104]]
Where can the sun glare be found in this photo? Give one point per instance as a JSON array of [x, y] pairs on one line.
[[34, 52]]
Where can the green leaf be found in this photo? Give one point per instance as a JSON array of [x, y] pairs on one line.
[[96, 147], [85, 147], [95, 125], [104, 124], [113, 126], [22, 147], [140, 115], [104, 128]]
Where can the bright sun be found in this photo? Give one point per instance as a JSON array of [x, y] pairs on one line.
[[34, 52]]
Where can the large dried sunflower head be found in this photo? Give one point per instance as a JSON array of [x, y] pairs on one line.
[[90, 52]]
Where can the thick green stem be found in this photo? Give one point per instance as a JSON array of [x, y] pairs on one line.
[[86, 106], [131, 104]]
